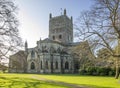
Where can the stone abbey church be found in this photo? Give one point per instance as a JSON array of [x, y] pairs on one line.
[[55, 54]]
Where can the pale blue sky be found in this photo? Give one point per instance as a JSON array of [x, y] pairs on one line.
[[34, 16]]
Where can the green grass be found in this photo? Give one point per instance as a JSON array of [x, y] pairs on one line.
[[24, 81], [90, 81], [27, 81]]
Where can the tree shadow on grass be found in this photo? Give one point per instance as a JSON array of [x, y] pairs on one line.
[[16, 82]]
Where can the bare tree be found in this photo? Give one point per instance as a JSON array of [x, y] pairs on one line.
[[101, 26], [9, 33]]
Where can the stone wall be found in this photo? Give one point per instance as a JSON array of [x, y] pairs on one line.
[[18, 62], [50, 63]]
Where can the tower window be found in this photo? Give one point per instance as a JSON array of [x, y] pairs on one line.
[[53, 37], [60, 36]]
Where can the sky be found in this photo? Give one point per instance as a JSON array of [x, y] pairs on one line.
[[33, 16]]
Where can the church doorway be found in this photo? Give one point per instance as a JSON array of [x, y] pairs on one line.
[[32, 66]]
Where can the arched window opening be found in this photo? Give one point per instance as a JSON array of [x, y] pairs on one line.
[[56, 65], [32, 66], [32, 54], [41, 64], [66, 65], [46, 64]]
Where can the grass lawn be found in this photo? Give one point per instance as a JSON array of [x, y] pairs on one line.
[[26, 81], [90, 81]]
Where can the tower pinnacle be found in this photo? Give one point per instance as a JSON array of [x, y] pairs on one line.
[[64, 11], [50, 16], [26, 45]]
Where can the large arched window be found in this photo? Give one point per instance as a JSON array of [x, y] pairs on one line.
[[32, 66], [46, 64], [41, 64], [56, 65], [66, 65], [32, 54]]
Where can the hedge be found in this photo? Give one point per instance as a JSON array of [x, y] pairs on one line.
[[102, 71]]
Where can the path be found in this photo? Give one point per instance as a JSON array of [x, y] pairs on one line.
[[60, 83]]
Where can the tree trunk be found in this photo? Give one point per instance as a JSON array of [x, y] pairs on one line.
[[117, 69], [117, 61]]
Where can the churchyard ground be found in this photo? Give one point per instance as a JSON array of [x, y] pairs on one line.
[[9, 80]]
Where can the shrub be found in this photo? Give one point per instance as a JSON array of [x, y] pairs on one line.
[[102, 71], [82, 72], [91, 70]]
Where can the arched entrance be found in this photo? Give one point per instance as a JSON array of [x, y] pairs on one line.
[[32, 66]]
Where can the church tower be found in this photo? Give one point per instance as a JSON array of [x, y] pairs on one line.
[[61, 28]]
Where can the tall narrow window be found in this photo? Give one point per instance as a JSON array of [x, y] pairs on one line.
[[46, 64], [66, 65], [56, 65], [32, 66], [41, 64]]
